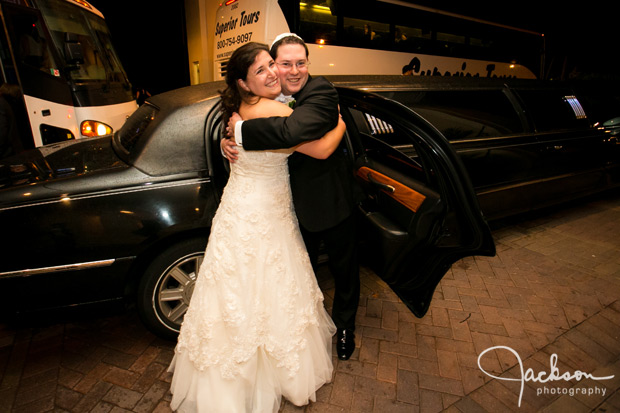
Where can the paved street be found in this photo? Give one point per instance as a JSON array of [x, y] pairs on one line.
[[550, 297]]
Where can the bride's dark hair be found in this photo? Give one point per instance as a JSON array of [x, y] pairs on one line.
[[237, 68]]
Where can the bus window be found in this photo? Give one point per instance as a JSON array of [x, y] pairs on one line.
[[30, 44], [366, 33], [413, 39], [316, 23], [67, 23], [113, 61], [9, 71], [413, 29], [58, 52], [383, 37], [11, 93], [35, 59]]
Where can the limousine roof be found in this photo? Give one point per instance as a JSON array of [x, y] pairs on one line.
[[599, 97]]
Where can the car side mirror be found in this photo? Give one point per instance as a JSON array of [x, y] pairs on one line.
[[613, 126], [73, 50]]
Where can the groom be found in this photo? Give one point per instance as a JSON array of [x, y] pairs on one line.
[[324, 192]]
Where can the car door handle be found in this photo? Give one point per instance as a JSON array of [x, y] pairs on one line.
[[405, 195], [385, 187]]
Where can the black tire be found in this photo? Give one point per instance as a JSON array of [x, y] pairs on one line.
[[167, 285]]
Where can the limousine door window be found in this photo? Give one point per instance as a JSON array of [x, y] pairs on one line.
[[465, 114], [554, 110]]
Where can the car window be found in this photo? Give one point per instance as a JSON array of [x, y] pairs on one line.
[[554, 109], [379, 136], [131, 131], [600, 104], [464, 114]]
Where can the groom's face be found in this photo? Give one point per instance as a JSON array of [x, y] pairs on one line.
[[293, 67]]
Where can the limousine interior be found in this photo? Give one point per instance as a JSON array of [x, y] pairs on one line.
[[525, 144]]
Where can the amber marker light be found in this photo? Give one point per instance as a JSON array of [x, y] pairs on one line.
[[83, 3], [92, 128]]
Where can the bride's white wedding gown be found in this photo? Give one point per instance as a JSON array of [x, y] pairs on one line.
[[256, 328]]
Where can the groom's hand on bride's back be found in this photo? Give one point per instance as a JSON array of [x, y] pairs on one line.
[[232, 121], [229, 151]]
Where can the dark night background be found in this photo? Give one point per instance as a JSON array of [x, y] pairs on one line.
[[151, 38]]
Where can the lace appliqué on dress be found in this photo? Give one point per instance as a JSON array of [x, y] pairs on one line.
[[256, 286]]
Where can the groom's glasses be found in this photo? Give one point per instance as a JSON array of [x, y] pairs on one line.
[[302, 64]]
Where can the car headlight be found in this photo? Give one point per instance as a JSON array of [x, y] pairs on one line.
[[91, 128]]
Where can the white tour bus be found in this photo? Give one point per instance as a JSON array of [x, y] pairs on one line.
[[60, 71], [380, 37]]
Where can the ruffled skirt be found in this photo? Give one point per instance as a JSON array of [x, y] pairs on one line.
[[260, 384], [256, 328]]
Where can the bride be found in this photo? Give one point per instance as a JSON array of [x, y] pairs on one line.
[[256, 328]]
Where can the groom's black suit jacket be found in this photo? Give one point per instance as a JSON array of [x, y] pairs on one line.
[[323, 190]]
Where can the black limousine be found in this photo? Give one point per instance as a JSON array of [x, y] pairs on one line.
[[525, 144], [126, 218]]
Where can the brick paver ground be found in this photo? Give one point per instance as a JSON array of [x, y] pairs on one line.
[[551, 297]]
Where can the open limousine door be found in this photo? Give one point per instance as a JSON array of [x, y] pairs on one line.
[[420, 214]]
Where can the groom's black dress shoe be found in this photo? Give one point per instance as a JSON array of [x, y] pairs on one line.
[[345, 344]]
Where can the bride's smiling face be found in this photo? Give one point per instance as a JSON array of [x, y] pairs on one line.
[[262, 78]]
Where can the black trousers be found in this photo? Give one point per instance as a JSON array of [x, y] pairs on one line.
[[341, 247]]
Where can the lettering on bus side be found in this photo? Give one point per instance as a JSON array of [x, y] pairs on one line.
[[234, 40], [224, 27], [416, 67], [246, 19], [249, 18]]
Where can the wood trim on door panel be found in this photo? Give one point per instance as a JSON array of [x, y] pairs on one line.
[[401, 193]]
